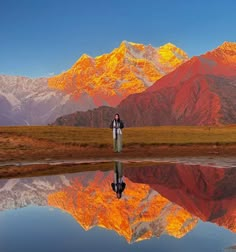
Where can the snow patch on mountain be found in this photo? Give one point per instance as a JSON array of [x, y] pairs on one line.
[[26, 101], [11, 99]]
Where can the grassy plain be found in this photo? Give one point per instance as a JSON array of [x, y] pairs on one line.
[[58, 142], [101, 137]]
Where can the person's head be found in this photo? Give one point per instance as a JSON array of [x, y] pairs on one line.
[[118, 195], [117, 117]]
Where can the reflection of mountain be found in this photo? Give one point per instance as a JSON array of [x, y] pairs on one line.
[[88, 197], [158, 199], [140, 214], [208, 193], [17, 193], [230, 249]]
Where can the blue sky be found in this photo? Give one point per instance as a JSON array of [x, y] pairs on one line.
[[39, 38]]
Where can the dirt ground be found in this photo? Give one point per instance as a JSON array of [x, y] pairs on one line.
[[22, 148]]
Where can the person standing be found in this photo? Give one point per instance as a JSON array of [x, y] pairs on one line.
[[117, 125]]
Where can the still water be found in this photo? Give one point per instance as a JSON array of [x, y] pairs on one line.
[[129, 207]]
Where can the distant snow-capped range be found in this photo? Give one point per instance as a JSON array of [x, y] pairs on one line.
[[90, 83], [26, 101]]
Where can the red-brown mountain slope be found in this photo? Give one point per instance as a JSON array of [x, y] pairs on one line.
[[202, 91]]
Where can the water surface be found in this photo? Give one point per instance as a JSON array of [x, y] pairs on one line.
[[163, 207]]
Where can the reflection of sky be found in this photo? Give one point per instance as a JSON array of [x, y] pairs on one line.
[[39, 229]]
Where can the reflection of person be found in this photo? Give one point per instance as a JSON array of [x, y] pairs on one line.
[[116, 125], [118, 184]]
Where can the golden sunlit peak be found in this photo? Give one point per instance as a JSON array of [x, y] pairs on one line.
[[168, 45], [124, 42], [134, 65], [124, 45], [85, 56], [168, 51], [133, 43], [127, 45], [228, 45]]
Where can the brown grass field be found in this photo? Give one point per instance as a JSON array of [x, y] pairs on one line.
[[59, 142], [142, 135]]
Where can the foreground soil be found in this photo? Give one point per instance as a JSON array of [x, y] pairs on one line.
[[45, 143], [22, 144], [45, 152], [21, 148]]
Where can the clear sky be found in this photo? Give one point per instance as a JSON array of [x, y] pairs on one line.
[[45, 37]]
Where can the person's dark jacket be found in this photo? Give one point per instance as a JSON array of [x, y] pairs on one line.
[[121, 124]]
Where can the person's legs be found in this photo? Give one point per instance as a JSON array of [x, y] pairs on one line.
[[119, 166], [115, 147], [119, 143]]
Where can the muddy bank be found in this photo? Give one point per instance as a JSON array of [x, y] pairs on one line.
[[56, 151], [22, 148], [52, 167]]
